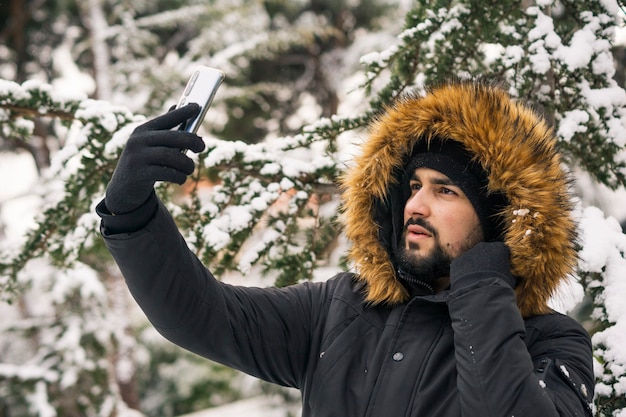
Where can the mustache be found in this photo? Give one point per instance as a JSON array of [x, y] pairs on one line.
[[423, 223]]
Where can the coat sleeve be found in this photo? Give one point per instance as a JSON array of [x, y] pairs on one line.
[[502, 371], [264, 332]]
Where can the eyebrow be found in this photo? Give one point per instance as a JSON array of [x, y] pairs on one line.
[[437, 180]]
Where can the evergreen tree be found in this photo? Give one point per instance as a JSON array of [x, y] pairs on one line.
[[276, 57], [273, 201]]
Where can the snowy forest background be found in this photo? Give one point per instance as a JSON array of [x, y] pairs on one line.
[[302, 80]]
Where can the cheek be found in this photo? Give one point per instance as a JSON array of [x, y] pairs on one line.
[[460, 229]]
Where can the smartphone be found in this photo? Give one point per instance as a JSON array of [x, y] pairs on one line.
[[200, 89]]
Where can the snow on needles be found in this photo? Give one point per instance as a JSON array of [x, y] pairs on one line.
[[585, 51], [603, 247]]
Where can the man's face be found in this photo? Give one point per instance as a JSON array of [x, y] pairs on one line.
[[439, 224]]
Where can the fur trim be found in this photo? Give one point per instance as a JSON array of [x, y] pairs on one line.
[[511, 142]]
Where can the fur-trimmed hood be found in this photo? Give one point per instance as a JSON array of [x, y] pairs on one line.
[[514, 146]]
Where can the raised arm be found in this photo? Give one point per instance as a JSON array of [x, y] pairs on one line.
[[263, 332]]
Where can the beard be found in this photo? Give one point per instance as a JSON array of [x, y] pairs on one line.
[[424, 268], [434, 265]]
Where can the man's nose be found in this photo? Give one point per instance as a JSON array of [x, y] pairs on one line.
[[417, 205]]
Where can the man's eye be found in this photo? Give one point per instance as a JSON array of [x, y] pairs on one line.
[[415, 186], [445, 190]]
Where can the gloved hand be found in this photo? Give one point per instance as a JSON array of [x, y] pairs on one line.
[[485, 256], [153, 153]]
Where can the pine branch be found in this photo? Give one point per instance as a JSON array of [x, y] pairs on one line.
[[16, 111]]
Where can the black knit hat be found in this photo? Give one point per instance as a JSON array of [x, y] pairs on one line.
[[451, 159]]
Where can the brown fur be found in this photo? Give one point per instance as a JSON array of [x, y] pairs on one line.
[[512, 143]]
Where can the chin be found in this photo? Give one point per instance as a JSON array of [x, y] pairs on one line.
[[417, 251]]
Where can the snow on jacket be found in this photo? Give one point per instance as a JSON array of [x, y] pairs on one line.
[[357, 344]]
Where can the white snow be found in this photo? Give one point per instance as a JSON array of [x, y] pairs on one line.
[[18, 203], [572, 122], [39, 401], [603, 251]]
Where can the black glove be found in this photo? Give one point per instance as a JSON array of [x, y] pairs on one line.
[[485, 256], [153, 153]]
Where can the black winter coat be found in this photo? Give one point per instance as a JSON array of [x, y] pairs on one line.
[[433, 355]]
